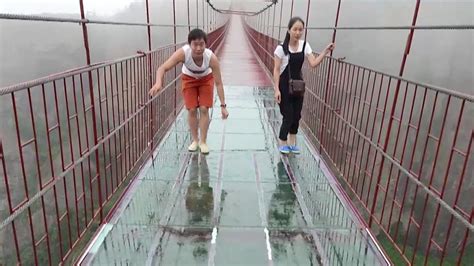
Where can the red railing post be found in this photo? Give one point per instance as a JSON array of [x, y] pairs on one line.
[[148, 26], [336, 24], [273, 25], [197, 14], [189, 19], [292, 4], [279, 24], [307, 20], [94, 118], [258, 26], [175, 72], [267, 31], [326, 93], [392, 111], [264, 32], [264, 21], [149, 75]]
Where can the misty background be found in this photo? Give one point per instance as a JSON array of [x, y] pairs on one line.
[[444, 58], [30, 49]]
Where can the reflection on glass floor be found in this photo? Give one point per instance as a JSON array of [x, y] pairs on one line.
[[243, 204]]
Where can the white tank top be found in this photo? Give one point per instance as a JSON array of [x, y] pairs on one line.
[[191, 69]]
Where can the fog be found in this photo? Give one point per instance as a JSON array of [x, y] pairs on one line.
[[30, 50]]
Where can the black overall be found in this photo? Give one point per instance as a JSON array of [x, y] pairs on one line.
[[290, 106]]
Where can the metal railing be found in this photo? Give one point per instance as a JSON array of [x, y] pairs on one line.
[[73, 141], [401, 149]]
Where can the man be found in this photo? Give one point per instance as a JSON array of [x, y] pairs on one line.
[[200, 70]]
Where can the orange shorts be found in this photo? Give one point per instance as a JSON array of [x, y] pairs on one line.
[[198, 92]]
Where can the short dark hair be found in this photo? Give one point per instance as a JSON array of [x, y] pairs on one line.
[[197, 34]]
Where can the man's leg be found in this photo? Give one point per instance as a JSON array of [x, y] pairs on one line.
[[206, 97], [190, 94], [203, 122], [193, 123]]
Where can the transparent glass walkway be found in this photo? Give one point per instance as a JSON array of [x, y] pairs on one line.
[[243, 204]]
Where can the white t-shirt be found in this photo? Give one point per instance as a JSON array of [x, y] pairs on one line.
[[284, 58], [191, 69]]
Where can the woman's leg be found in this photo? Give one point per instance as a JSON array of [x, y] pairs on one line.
[[297, 105], [286, 111], [291, 139]]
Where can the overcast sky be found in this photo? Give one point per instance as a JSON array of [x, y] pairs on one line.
[[100, 7], [109, 7]]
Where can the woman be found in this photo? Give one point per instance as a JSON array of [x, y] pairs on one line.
[[200, 67], [292, 53]]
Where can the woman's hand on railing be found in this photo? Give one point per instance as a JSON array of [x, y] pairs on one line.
[[329, 48]]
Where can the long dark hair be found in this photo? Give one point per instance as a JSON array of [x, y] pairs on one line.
[[286, 42]]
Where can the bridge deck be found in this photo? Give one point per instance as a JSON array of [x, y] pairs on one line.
[[244, 203]]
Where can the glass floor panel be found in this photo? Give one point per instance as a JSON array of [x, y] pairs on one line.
[[237, 205]]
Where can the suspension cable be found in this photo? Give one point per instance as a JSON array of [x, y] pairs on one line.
[[418, 27], [81, 21]]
